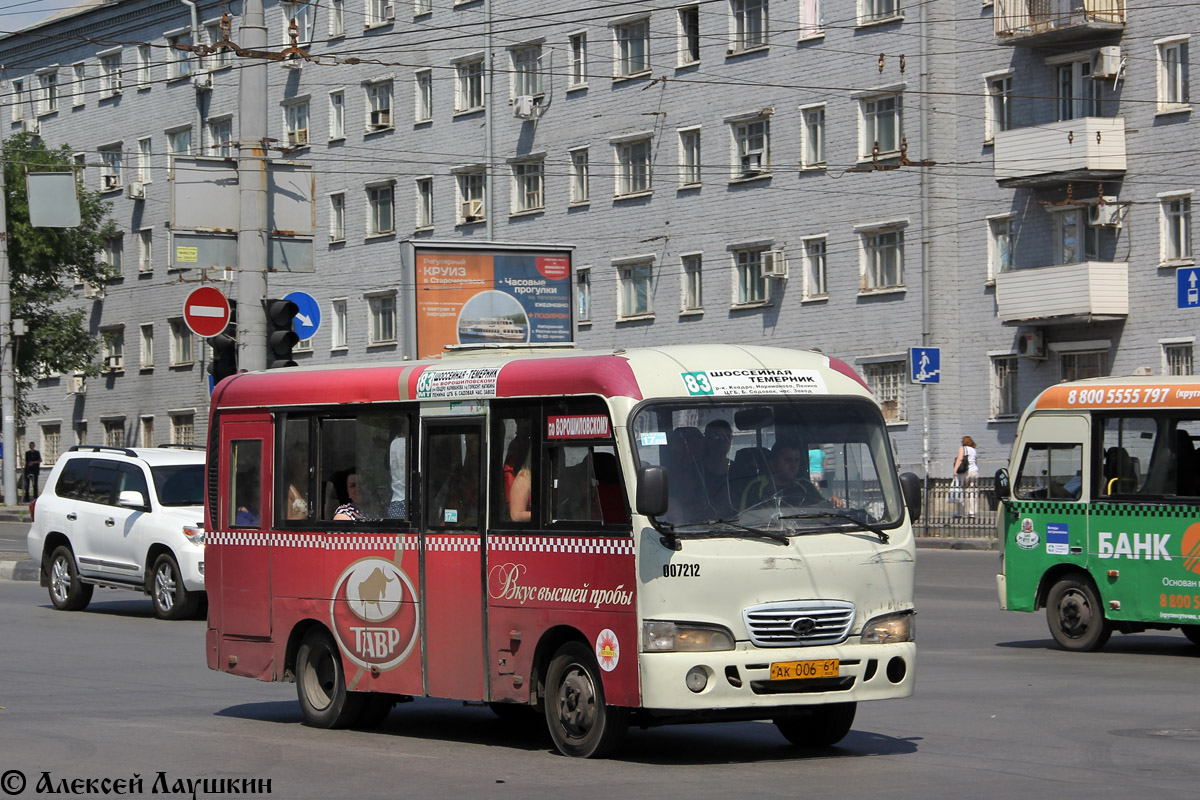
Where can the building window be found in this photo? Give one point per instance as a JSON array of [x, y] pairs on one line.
[[337, 115], [337, 18], [111, 168], [51, 443], [882, 126], [114, 432], [998, 112], [222, 58], [1004, 387], [220, 135], [378, 12], [1176, 228], [338, 313], [693, 284], [179, 62], [379, 105], [583, 294], [813, 148], [183, 428], [887, 379], [526, 70], [423, 96], [424, 202], [470, 196], [749, 24], [147, 348], [1075, 239], [1077, 94], [381, 215], [79, 95], [633, 48], [1074, 366], [882, 259], [814, 268], [422, 7], [634, 289], [145, 251], [577, 69], [383, 319], [179, 142], [633, 167], [752, 140], [304, 15], [528, 179], [112, 348], [144, 59], [1173, 75], [295, 122], [689, 157], [1000, 246], [468, 85], [874, 10], [337, 217], [1177, 359], [147, 432], [579, 176], [751, 283], [145, 170], [689, 35], [112, 253], [812, 22], [110, 75], [181, 343], [48, 92], [18, 100]]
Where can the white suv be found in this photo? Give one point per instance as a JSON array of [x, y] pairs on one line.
[[130, 518]]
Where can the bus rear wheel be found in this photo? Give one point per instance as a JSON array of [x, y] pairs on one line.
[[1075, 616], [321, 683], [820, 726], [580, 724]]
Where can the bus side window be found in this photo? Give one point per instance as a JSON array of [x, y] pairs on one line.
[[1050, 472], [245, 476], [515, 466], [585, 485]]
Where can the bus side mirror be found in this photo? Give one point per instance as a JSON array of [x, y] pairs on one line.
[[910, 487], [652, 488], [1003, 489]]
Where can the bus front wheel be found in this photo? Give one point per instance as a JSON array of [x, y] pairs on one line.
[[321, 683], [1075, 616], [580, 724], [820, 726]]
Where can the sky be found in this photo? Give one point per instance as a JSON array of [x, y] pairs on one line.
[[18, 14]]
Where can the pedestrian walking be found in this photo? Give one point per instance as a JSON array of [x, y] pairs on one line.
[[965, 491]]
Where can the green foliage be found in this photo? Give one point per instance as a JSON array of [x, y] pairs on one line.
[[44, 266]]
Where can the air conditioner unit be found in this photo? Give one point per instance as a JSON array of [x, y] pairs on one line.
[[752, 163], [1106, 212], [381, 119], [32, 126], [774, 265], [523, 106], [472, 210], [1031, 344], [298, 138], [202, 80], [1107, 62], [135, 190], [389, 11], [114, 363], [77, 385], [292, 63], [111, 182]]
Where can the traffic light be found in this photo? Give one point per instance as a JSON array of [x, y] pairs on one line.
[[224, 349], [281, 337]]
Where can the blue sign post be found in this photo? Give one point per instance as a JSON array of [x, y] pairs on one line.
[[1187, 287], [308, 315], [925, 364]]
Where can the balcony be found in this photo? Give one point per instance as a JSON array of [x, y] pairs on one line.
[[1037, 23], [1094, 291], [1091, 148]]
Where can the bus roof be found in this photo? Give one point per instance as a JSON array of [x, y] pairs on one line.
[[1140, 392], [726, 370]]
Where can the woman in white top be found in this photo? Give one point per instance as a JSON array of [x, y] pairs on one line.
[[968, 479]]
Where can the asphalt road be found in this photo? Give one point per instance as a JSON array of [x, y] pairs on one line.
[[999, 712], [12, 539]]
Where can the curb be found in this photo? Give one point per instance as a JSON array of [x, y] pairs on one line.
[[24, 570]]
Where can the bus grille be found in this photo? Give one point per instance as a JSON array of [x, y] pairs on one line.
[[799, 623]]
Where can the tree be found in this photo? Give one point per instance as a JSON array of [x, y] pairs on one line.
[[45, 264]]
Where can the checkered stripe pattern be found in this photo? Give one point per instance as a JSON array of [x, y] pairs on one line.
[[561, 544], [1166, 512], [239, 538], [452, 544], [317, 541]]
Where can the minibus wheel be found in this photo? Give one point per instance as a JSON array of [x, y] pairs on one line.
[[820, 726], [67, 592], [1075, 615], [580, 723], [321, 683]]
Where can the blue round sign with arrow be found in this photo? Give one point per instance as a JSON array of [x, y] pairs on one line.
[[308, 316]]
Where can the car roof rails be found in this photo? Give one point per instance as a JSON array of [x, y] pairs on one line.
[[101, 448]]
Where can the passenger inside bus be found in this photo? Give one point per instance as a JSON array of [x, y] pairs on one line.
[[1120, 472], [518, 478], [247, 513], [348, 511], [397, 507], [784, 482], [718, 438], [1187, 468], [688, 500]]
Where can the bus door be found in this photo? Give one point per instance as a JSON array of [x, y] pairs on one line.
[[244, 501], [452, 572]]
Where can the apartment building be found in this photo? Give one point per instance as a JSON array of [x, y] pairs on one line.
[[1009, 181]]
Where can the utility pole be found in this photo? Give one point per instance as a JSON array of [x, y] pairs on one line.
[[252, 192], [8, 352]]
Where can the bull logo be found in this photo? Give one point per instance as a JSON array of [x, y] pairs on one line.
[[374, 590], [374, 613]]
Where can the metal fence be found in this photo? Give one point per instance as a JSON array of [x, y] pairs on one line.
[[957, 511]]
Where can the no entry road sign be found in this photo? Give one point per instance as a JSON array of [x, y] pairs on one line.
[[206, 311]]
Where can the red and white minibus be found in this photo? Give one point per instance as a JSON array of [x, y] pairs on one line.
[[633, 536]]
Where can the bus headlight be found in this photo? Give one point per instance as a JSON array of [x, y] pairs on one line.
[[890, 628], [684, 637]]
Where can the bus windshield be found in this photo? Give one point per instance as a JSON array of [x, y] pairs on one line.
[[790, 466]]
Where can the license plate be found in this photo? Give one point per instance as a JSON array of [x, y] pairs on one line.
[[795, 670]]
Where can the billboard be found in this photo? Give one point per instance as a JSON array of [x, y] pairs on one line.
[[491, 294]]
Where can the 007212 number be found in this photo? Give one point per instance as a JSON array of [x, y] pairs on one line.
[[681, 570]]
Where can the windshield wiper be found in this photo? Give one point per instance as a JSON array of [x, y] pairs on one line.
[[875, 529], [779, 537]]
